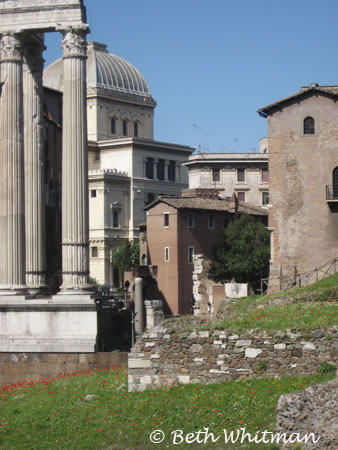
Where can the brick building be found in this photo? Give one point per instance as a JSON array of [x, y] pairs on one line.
[[177, 229], [303, 166]]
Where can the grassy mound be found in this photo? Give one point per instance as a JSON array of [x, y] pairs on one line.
[[314, 306]]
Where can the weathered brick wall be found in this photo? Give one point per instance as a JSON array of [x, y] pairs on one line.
[[300, 167], [159, 358], [35, 366]]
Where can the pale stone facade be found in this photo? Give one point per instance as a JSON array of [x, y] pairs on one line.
[[302, 162], [246, 174], [127, 168]]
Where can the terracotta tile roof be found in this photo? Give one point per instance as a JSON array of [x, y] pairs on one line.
[[208, 204], [314, 88]]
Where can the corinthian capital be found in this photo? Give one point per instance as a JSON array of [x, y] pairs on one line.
[[10, 47], [74, 43]]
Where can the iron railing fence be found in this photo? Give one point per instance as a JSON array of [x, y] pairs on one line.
[[332, 192], [299, 279]]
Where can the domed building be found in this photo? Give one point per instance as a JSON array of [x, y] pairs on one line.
[[127, 168]]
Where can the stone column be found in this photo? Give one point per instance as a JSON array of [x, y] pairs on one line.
[[139, 321], [34, 165], [12, 199], [166, 169], [75, 218]]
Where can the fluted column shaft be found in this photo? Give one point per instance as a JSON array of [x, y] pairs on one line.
[[12, 206], [75, 218], [34, 166]]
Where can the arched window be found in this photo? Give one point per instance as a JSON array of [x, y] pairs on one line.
[[135, 129], [124, 128], [115, 219], [309, 125], [144, 260], [335, 182]]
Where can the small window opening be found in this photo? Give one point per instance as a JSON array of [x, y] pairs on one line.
[[211, 222], [124, 128], [113, 126], [135, 129], [166, 220], [265, 198], [95, 252], [309, 125], [240, 175], [115, 219], [93, 193], [215, 175], [191, 221], [190, 255], [241, 196]]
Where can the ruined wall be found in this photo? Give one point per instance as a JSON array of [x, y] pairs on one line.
[[312, 410], [35, 366], [160, 358]]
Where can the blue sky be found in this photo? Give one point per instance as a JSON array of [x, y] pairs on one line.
[[211, 64]]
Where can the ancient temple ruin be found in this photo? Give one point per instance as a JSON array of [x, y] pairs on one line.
[[22, 222]]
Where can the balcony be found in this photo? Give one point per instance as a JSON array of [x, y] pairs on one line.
[[332, 193]]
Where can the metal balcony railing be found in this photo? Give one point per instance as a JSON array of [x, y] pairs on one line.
[[332, 192]]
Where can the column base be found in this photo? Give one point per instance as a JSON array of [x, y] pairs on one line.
[[75, 295], [47, 326], [13, 292]]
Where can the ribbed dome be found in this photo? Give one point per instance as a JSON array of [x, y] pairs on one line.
[[106, 73]]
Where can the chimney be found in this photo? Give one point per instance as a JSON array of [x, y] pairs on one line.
[[234, 202]]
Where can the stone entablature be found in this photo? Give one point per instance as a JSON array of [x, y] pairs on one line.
[[40, 15], [162, 357]]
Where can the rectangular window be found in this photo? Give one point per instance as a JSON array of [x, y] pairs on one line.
[[265, 198], [265, 175], [240, 175], [211, 222], [191, 221], [166, 219], [93, 193], [190, 255], [115, 219], [241, 196], [171, 170], [215, 175], [166, 254], [160, 169], [113, 126], [124, 128], [150, 168], [95, 252]]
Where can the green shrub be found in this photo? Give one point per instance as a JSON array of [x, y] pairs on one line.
[[327, 368]]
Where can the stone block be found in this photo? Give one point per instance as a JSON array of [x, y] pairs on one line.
[[243, 343], [309, 347], [204, 334], [183, 379], [146, 379], [139, 363], [279, 346], [252, 352]]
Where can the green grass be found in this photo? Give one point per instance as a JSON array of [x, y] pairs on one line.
[[55, 414], [303, 308]]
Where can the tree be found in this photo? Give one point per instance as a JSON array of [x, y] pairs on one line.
[[127, 255], [242, 252]]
